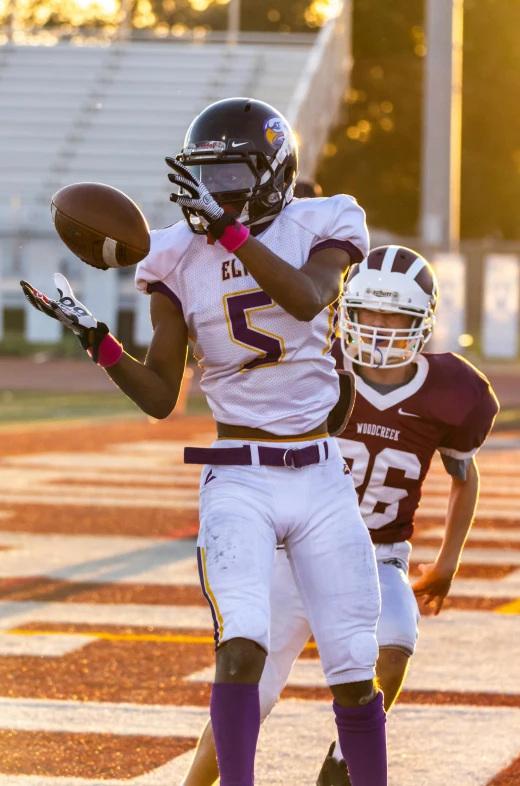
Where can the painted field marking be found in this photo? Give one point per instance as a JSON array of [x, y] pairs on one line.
[[48, 478], [41, 646], [507, 587], [464, 666], [463, 744], [509, 608], [65, 715], [476, 533], [15, 614], [166, 638]]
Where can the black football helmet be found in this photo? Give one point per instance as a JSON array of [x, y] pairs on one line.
[[246, 154]]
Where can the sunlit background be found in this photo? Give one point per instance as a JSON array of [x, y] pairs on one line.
[[161, 17], [104, 89]]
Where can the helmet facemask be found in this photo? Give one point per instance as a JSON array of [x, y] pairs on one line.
[[379, 347], [243, 183]]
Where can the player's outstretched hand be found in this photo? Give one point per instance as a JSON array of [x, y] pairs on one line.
[[433, 585], [196, 198], [70, 312]]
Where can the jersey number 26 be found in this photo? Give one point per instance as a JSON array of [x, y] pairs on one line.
[[376, 490]]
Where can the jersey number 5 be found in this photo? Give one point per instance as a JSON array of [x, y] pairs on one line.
[[376, 491], [239, 308]]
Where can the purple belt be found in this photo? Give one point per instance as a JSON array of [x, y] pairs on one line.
[[292, 458]]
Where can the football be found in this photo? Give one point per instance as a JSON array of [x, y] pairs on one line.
[[101, 225]]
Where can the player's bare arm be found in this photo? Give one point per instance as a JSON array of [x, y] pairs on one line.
[[435, 582], [154, 386], [302, 293]]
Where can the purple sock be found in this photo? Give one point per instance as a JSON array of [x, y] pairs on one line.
[[235, 716], [362, 738]]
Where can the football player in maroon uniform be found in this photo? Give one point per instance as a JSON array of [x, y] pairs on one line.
[[409, 405]]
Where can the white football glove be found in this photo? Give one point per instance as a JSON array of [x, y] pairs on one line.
[[198, 201], [70, 312]]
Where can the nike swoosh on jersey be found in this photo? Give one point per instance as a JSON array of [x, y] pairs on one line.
[[238, 144], [408, 414]]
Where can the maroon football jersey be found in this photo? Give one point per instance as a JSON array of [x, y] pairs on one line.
[[391, 438]]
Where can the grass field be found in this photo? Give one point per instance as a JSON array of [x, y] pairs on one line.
[[30, 405]]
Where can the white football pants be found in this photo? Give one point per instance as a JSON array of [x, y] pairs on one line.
[[290, 630], [246, 511]]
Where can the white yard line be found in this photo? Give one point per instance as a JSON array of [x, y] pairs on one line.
[[428, 745], [13, 614], [98, 558], [453, 654], [102, 717], [471, 556], [54, 646], [512, 535], [508, 587]]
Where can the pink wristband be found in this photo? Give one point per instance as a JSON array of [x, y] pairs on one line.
[[234, 237], [110, 351]]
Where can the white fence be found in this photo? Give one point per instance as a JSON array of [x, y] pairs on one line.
[[500, 324], [495, 328], [105, 292]]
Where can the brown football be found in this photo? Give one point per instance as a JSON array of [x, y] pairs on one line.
[[101, 225]]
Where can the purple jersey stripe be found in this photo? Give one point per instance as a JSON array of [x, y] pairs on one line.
[[205, 593], [355, 254], [159, 286]]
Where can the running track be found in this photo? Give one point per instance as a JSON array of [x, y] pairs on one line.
[[105, 639]]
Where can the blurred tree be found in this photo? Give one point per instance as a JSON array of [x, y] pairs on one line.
[[491, 120], [374, 153], [263, 15], [256, 15]]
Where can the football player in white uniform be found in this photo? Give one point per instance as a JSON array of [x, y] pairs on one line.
[[408, 405], [252, 276]]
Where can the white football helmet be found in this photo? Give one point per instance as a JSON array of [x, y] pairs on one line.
[[395, 280]]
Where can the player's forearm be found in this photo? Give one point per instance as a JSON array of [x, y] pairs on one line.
[[461, 511], [144, 386], [291, 289]]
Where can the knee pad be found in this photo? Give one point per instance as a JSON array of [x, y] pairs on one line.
[[271, 686], [269, 695], [398, 632], [363, 649]]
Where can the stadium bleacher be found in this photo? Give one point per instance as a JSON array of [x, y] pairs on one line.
[[112, 114]]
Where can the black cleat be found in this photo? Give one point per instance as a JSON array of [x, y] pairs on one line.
[[333, 772]]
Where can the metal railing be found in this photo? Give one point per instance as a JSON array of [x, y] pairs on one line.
[[319, 93]]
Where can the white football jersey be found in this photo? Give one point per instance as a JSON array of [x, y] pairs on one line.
[[262, 367]]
